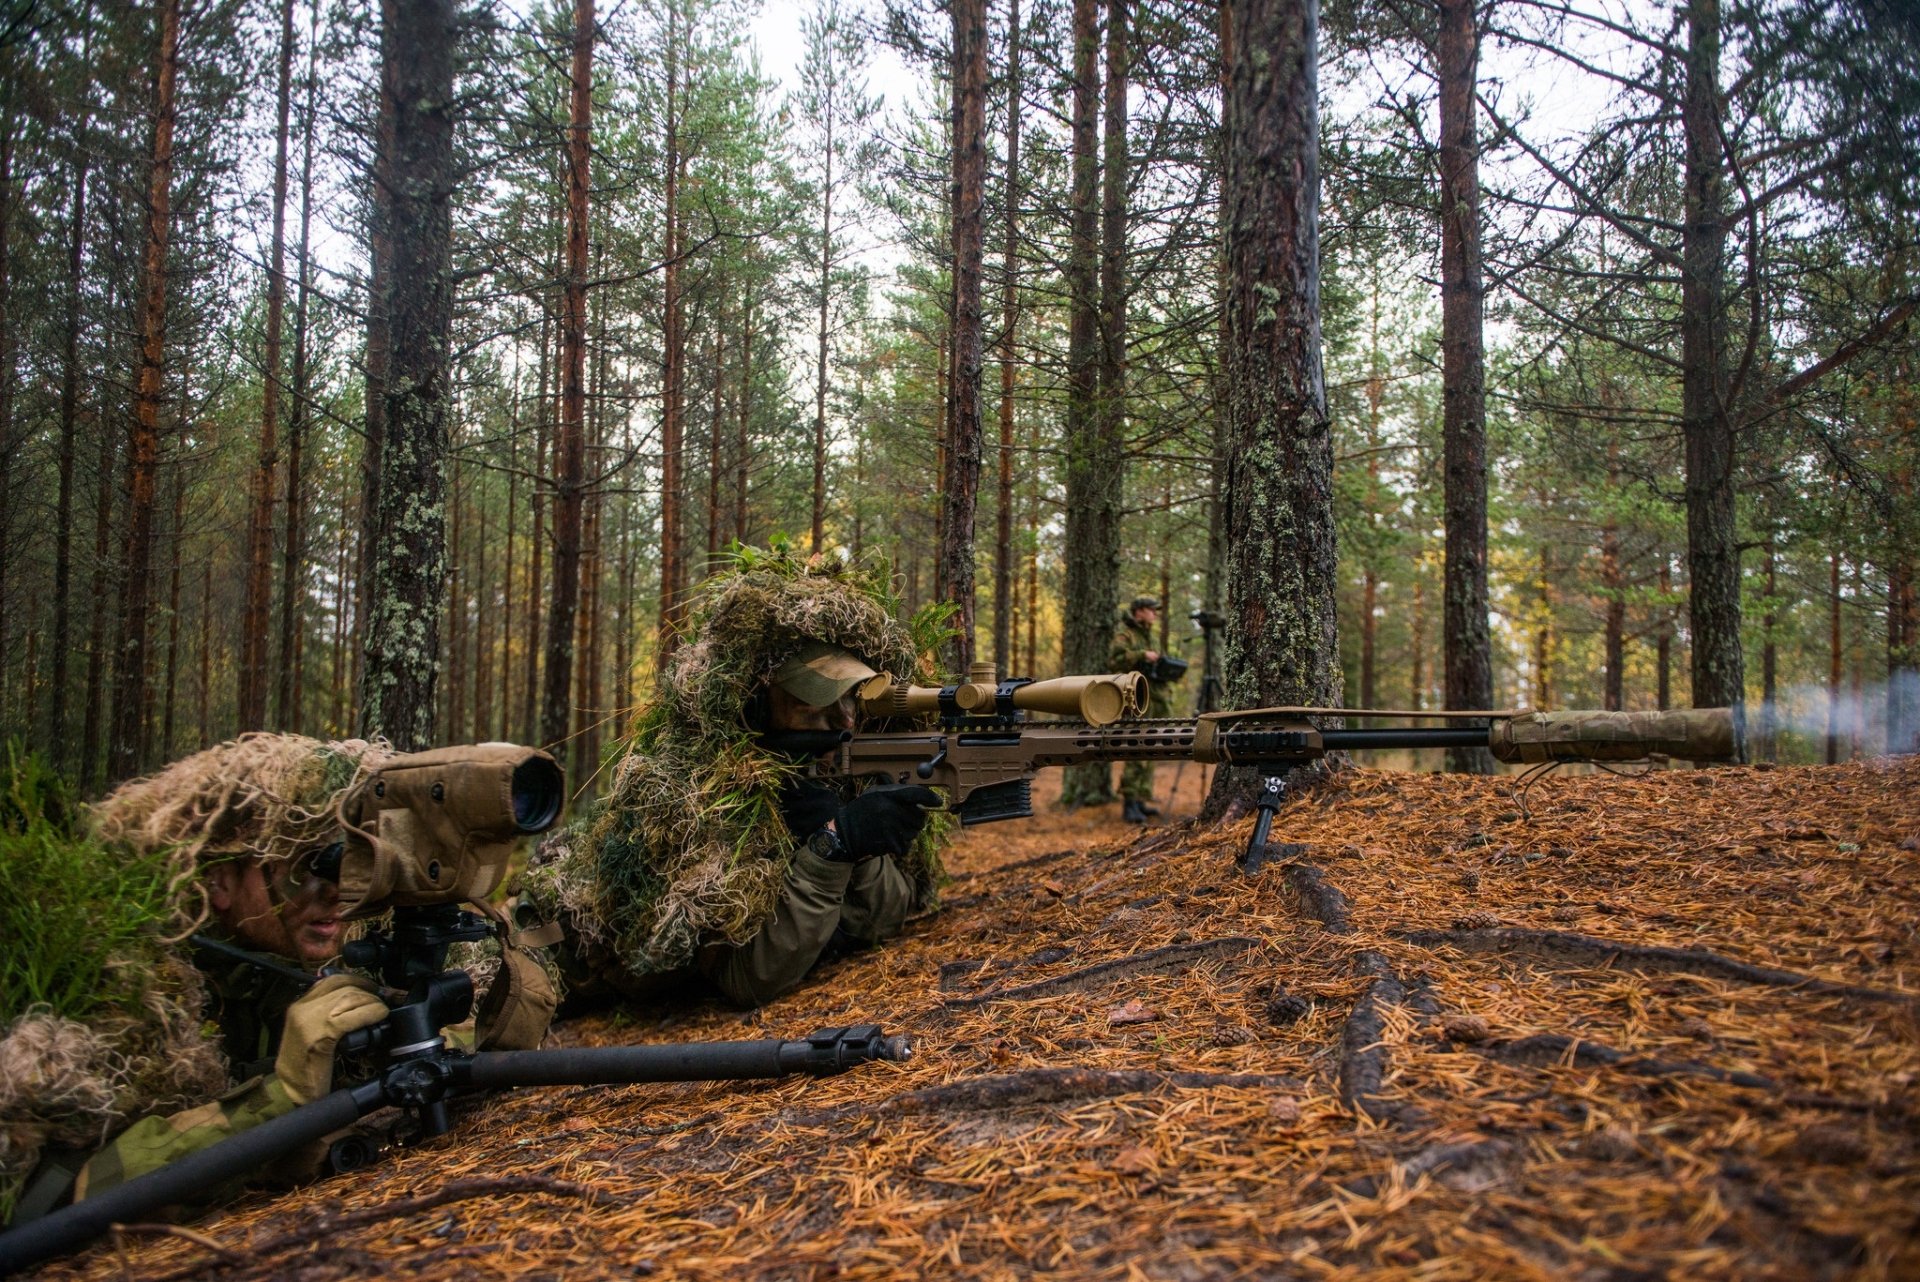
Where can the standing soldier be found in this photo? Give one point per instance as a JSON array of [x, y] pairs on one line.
[[1132, 651]]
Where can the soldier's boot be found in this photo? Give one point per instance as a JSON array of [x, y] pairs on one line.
[[1133, 812], [1148, 808]]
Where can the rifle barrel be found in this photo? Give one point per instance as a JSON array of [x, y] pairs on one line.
[[186, 1182]]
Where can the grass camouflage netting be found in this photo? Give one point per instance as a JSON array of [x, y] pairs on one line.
[[100, 1004], [688, 847], [1663, 1029]]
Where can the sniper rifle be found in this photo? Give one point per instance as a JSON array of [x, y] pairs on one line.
[[984, 752], [425, 833]]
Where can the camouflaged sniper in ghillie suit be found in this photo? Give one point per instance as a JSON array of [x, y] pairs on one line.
[[154, 1033], [688, 850]]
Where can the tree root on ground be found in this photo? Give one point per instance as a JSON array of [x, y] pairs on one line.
[[1046, 1086], [1567, 947], [1159, 961], [1363, 1050], [1543, 1050], [1318, 898]]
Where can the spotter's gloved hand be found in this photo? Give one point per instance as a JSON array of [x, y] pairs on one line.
[[885, 820], [808, 805], [332, 1008]]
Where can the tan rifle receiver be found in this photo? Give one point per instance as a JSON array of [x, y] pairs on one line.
[[986, 763]]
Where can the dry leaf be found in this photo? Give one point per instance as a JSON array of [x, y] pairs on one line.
[[1134, 1012], [1135, 1159], [1284, 1109]]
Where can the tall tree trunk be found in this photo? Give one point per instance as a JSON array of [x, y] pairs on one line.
[[1467, 641], [1903, 656], [716, 421], [673, 374], [1282, 646], [379, 350], [1713, 557], [143, 446], [570, 450], [7, 362], [175, 558], [206, 653], [292, 686], [1613, 584], [1003, 567], [1419, 682], [1217, 392], [93, 717], [502, 728], [962, 489], [69, 415], [821, 337], [1664, 653], [1093, 463], [410, 557], [743, 452], [1769, 665], [536, 540], [1836, 655], [254, 628]]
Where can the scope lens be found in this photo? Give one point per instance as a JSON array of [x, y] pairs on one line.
[[539, 791]]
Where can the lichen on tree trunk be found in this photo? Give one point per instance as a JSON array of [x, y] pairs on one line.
[[1281, 639], [408, 565]]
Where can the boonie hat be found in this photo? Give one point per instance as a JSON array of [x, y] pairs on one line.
[[821, 673], [1145, 603]]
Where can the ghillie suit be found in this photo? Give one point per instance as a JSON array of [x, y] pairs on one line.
[[101, 1004], [688, 849]]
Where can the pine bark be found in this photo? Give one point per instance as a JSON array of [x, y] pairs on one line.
[[570, 449], [673, 374], [961, 492], [69, 417], [1713, 558], [1093, 463], [254, 628], [408, 590], [1003, 566], [379, 349], [292, 685], [1281, 640], [821, 336], [130, 659], [1467, 641]]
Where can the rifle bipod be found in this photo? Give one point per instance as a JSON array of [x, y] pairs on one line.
[[1268, 805], [420, 1074]]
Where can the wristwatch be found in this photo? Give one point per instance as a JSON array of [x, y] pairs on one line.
[[826, 843]]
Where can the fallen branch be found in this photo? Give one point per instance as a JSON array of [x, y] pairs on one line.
[[1160, 961], [1565, 946]]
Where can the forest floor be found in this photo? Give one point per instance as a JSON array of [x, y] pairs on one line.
[[1664, 1027]]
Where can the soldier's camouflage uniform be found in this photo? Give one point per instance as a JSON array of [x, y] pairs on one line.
[[1128, 653], [250, 1007]]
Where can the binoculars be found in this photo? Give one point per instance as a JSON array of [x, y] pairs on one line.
[[438, 827]]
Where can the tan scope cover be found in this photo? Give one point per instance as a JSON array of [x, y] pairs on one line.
[[1697, 734]]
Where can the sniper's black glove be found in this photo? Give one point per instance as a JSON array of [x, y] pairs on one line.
[[884, 820], [808, 806]]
